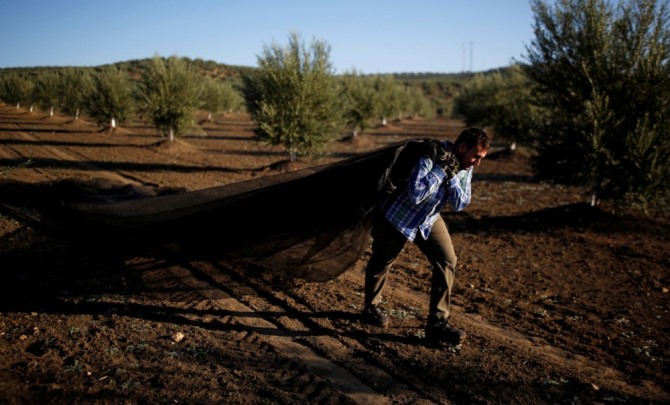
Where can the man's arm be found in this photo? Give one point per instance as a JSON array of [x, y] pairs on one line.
[[460, 190], [426, 178]]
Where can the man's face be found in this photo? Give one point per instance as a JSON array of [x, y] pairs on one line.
[[471, 157]]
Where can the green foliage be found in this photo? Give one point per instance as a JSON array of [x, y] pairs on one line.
[[45, 90], [417, 104], [474, 103], [169, 93], [440, 90], [602, 73], [359, 96], [501, 100], [16, 88], [383, 97], [388, 97], [218, 96], [73, 87], [110, 97], [293, 97]]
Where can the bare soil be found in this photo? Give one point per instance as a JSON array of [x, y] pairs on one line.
[[562, 303]]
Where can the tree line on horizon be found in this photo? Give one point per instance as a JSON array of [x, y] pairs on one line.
[[112, 94], [592, 100]]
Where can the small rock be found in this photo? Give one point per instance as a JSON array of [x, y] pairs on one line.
[[177, 337]]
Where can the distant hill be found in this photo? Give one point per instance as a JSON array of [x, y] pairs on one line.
[[439, 88], [232, 72]]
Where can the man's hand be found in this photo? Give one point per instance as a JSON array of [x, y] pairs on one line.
[[446, 160]]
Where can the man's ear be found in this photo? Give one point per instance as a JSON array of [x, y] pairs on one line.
[[462, 148]]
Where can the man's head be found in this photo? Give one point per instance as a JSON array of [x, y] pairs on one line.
[[471, 147]]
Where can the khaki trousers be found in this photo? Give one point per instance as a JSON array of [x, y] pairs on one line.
[[387, 244]]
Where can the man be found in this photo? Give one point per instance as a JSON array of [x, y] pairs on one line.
[[412, 212]]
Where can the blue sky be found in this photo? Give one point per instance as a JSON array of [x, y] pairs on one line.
[[371, 36]]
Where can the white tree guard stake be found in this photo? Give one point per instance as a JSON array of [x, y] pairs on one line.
[[594, 198], [51, 112], [171, 135], [112, 124]]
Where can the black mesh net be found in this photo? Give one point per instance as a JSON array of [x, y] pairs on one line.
[[312, 223]]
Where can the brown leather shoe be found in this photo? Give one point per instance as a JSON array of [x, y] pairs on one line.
[[375, 317], [441, 331]]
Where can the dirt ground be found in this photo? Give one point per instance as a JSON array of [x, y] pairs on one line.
[[562, 303]]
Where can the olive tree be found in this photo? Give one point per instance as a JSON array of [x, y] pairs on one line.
[[501, 100], [218, 96], [387, 97], [16, 89], [169, 93], [293, 96], [418, 105], [110, 99], [73, 87], [358, 94], [602, 73], [45, 91]]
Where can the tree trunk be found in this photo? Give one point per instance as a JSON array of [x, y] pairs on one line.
[[594, 197], [595, 193], [76, 115], [51, 112]]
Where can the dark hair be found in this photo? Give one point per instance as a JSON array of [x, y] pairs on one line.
[[473, 137]]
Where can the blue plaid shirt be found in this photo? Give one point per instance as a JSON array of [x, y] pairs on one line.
[[428, 191]]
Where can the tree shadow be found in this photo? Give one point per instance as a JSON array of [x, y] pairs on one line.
[[105, 166], [44, 274], [572, 216]]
